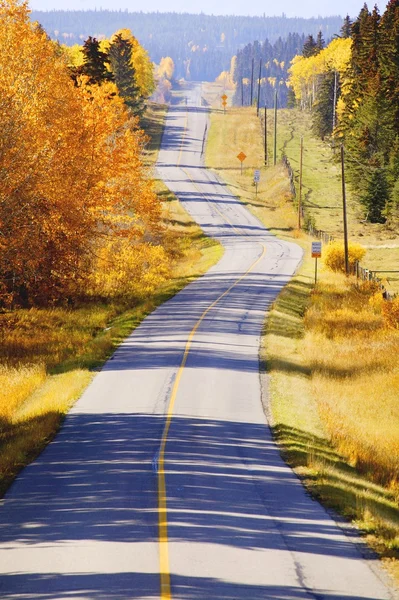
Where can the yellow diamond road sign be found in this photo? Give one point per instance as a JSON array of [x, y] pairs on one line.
[[224, 97], [241, 157]]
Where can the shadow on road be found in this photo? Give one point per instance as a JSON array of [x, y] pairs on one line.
[[226, 485]]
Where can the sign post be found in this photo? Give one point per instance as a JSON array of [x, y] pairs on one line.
[[241, 157], [256, 180], [224, 102], [316, 253]]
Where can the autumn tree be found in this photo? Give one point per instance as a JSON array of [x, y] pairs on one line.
[[70, 190]]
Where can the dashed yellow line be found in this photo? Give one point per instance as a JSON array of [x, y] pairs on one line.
[[183, 139], [166, 592]]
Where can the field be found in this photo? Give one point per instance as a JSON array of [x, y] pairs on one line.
[[328, 352], [49, 356]]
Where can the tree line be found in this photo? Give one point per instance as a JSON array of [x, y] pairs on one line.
[[78, 215], [261, 69], [352, 89], [201, 46]]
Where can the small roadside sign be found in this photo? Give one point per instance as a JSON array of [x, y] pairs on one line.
[[316, 249], [256, 180], [316, 253], [224, 98], [241, 157]]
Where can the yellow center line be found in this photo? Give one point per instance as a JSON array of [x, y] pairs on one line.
[[166, 593], [224, 217], [162, 504], [183, 140]]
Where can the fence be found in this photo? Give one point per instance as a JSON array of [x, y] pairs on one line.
[[291, 175], [361, 272]]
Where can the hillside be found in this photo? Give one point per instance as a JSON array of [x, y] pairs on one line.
[[205, 44]]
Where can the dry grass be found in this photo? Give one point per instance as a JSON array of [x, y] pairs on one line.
[[331, 362], [353, 358], [240, 130]]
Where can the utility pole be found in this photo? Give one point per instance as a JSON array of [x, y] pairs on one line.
[[300, 185], [260, 76], [242, 91], [252, 82], [275, 129], [266, 158], [344, 211]]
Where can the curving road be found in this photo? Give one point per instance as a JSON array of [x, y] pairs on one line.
[[164, 481]]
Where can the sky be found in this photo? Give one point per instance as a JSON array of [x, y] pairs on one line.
[[292, 8]]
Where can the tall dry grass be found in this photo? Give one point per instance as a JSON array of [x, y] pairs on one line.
[[352, 350]]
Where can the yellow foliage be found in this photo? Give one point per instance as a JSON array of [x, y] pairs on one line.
[[305, 72], [334, 255], [62, 186], [225, 79], [126, 269], [390, 311], [74, 55], [166, 68], [140, 59]]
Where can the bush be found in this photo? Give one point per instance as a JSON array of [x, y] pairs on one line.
[[334, 255], [390, 311]]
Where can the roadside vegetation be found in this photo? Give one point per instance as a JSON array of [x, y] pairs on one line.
[[48, 355], [330, 351]]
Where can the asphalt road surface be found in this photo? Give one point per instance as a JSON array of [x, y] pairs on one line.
[[164, 481]]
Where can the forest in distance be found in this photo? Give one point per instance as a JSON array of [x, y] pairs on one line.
[[205, 44]]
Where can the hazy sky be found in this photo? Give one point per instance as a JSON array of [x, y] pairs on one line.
[[306, 8]]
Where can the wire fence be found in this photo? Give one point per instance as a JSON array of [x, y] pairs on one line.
[[362, 273], [291, 175]]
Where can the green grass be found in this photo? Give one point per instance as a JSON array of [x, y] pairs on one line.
[[322, 193]]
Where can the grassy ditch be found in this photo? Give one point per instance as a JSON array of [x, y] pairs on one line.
[[330, 356], [48, 356], [322, 194]]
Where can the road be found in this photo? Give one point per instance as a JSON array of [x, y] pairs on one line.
[[164, 481]]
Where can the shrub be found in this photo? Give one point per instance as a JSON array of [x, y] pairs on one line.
[[390, 311], [334, 255]]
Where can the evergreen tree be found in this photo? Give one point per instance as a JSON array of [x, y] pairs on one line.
[[310, 47], [377, 196], [320, 42], [388, 57], [323, 109], [346, 29], [120, 55], [95, 65]]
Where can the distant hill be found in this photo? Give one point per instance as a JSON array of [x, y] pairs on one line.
[[201, 45]]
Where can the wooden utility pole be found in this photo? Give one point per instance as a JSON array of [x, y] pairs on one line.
[[252, 82], [242, 91], [260, 76], [266, 157], [275, 129], [344, 211], [300, 185]]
